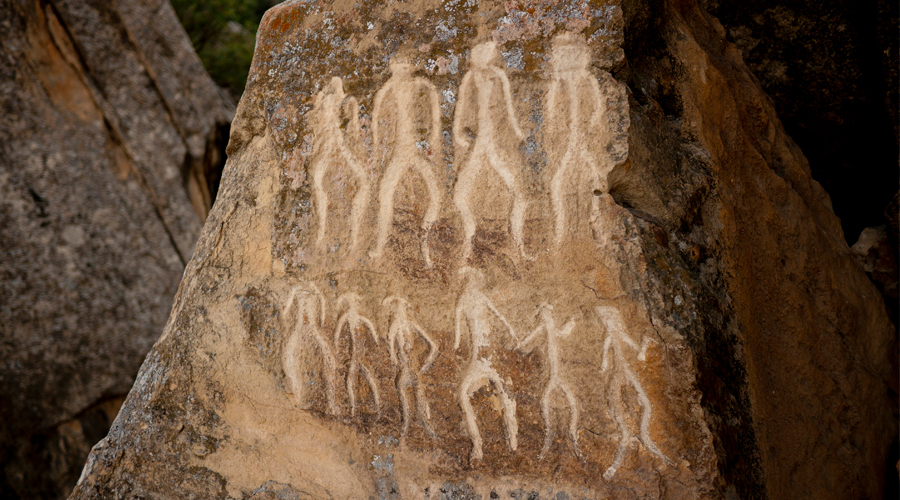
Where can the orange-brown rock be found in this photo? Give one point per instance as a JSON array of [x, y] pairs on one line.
[[509, 250]]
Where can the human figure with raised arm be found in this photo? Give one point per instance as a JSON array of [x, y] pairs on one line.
[[553, 333], [613, 355], [353, 321], [396, 104], [487, 85], [303, 315], [573, 87], [330, 150], [474, 312], [401, 334]]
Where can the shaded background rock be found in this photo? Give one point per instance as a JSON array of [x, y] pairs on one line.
[[111, 137], [744, 256]]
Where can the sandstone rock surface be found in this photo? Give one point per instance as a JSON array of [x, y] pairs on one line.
[[507, 250], [107, 123]]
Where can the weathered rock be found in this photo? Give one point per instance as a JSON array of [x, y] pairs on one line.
[[509, 251], [105, 113]]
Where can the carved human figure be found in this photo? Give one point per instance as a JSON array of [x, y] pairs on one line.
[[304, 313], [330, 150], [553, 333], [354, 322], [573, 87], [487, 85], [614, 359], [396, 104], [473, 311], [401, 333]]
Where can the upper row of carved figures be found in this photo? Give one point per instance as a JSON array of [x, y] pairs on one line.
[[477, 316], [405, 131]]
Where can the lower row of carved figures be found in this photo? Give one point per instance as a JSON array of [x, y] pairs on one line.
[[484, 115], [474, 313]]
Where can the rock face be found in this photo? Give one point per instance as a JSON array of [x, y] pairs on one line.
[[107, 122], [500, 250]]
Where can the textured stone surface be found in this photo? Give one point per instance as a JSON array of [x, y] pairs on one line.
[[510, 251], [96, 155]]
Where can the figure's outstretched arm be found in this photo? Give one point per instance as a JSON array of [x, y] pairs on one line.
[[460, 310], [502, 319], [434, 348], [350, 108], [340, 326], [459, 140], [597, 96], [567, 330], [434, 100], [642, 354], [371, 328], [604, 353], [530, 338], [392, 340], [507, 96], [377, 111]]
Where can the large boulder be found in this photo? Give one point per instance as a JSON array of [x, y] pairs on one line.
[[498, 250], [108, 123]]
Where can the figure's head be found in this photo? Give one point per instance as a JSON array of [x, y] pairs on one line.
[[472, 275], [335, 86], [569, 52], [484, 54], [401, 64], [350, 299], [393, 299]]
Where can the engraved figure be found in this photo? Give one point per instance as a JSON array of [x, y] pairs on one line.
[[330, 149], [573, 86], [554, 383], [493, 108], [401, 334], [306, 333], [474, 310], [354, 321], [397, 100], [613, 355]]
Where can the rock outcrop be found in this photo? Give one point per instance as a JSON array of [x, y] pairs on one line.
[[509, 250], [108, 124]]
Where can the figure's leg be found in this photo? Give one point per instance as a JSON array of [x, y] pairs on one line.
[[318, 175], [330, 368], [434, 205], [464, 185], [509, 410], [517, 216], [645, 418], [360, 200], [402, 385], [573, 417], [545, 412], [386, 190], [557, 187], [466, 390], [615, 410], [351, 383], [373, 386], [422, 407]]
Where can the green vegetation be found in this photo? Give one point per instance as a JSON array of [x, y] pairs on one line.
[[223, 33]]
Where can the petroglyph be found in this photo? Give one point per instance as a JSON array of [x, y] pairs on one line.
[[395, 104], [554, 383], [473, 310], [353, 321], [614, 358], [491, 90], [330, 150], [401, 334], [307, 308], [572, 86]]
